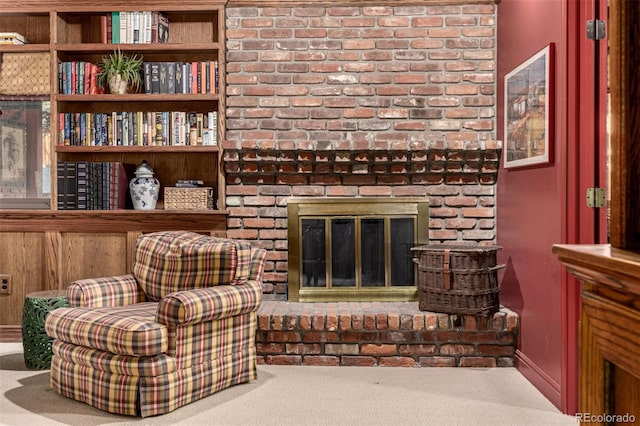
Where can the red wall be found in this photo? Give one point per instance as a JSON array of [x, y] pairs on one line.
[[531, 202]]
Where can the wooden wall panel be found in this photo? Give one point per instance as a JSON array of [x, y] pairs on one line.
[[21, 257], [85, 256]]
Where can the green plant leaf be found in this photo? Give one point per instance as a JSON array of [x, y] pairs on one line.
[[129, 68]]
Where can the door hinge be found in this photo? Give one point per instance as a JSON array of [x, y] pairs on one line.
[[596, 29], [596, 197]]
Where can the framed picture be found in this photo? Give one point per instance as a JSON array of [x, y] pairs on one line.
[[528, 106], [13, 153]]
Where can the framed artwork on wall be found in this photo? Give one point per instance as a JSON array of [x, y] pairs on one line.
[[528, 109], [13, 153]]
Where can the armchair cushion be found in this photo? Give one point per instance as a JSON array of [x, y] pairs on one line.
[[103, 292], [206, 304], [124, 330], [168, 262]]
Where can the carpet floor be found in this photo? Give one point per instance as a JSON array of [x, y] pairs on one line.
[[300, 396]]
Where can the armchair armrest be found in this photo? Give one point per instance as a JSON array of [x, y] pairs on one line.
[[206, 304], [103, 292]]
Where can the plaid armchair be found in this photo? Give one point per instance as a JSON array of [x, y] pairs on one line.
[[181, 327]]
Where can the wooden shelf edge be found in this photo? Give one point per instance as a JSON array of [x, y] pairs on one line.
[[602, 265], [19, 48], [139, 97], [81, 6], [112, 221], [136, 47], [172, 149]]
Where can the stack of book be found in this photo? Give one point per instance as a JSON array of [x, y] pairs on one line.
[[84, 185], [12, 38]]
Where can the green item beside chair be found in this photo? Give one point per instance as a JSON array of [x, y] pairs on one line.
[[36, 343]]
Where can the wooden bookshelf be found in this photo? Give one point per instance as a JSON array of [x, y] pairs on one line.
[[46, 249]]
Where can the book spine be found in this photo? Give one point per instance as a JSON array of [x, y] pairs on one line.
[[115, 27], [107, 31], [216, 71], [163, 28], [124, 22], [194, 78], [81, 185], [207, 73], [106, 186], [146, 72], [71, 185], [171, 77], [165, 128], [164, 84], [179, 71], [199, 127], [62, 188], [154, 27], [67, 89], [155, 77], [158, 129]]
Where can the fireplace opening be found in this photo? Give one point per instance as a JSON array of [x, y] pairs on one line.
[[354, 249]]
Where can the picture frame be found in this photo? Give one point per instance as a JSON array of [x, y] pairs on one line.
[[528, 111], [13, 153]]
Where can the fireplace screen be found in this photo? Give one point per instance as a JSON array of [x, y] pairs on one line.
[[356, 251]]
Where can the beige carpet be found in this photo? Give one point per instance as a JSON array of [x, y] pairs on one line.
[[293, 395]]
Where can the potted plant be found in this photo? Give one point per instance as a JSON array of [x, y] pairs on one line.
[[121, 71]]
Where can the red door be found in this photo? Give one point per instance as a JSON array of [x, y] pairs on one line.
[[586, 166]]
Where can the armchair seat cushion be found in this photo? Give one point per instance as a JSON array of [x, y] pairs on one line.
[[121, 330], [125, 365]]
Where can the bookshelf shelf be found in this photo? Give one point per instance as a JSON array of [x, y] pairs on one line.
[[136, 149], [140, 97], [21, 48], [106, 221], [138, 48]]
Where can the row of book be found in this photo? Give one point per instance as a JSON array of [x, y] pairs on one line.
[[181, 77], [135, 27], [199, 77], [78, 78], [84, 185], [12, 38], [138, 128]]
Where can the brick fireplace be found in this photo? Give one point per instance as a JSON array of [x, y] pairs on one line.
[[364, 102], [358, 101]]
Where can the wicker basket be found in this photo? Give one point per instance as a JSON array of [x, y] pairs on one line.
[[458, 278], [188, 198]]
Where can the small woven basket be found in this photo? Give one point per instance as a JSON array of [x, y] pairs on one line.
[[458, 278], [188, 198]]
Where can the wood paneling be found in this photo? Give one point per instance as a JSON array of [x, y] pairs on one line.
[[44, 250], [609, 334]]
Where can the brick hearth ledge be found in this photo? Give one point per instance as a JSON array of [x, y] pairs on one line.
[[383, 334]]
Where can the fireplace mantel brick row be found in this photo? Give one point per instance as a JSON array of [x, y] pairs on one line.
[[360, 101], [383, 334]]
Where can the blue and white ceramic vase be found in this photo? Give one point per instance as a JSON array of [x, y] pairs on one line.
[[144, 188]]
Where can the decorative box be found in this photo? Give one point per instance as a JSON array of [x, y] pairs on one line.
[[188, 198]]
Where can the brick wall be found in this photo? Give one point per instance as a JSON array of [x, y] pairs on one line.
[[360, 102]]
